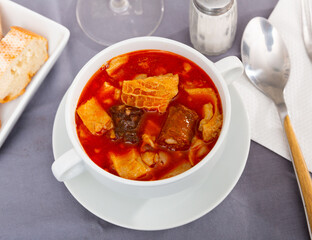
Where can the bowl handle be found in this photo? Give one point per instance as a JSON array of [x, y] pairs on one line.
[[68, 166], [231, 68]]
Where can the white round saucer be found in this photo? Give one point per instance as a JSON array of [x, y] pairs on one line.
[[166, 212]]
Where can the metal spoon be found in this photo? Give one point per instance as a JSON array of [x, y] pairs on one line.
[[267, 66]]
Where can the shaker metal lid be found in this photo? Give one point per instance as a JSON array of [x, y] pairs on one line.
[[213, 7]]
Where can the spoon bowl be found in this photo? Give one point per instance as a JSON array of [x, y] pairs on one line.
[[265, 58], [267, 66]]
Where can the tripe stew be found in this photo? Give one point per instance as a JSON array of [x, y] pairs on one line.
[[148, 115]]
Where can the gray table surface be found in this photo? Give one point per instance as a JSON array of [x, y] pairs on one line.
[[265, 204]]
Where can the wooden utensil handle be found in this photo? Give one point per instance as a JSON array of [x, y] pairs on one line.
[[303, 175]]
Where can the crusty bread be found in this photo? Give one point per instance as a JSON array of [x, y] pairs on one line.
[[21, 55], [1, 32]]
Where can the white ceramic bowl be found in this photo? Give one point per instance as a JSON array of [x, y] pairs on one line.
[[76, 160]]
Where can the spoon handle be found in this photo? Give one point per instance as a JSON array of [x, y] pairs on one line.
[[301, 170]]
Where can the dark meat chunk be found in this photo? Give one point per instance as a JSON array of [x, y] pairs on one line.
[[178, 130], [126, 120]]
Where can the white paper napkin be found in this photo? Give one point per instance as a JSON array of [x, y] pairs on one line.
[[266, 127]]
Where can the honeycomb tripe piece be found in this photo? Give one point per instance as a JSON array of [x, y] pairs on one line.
[[94, 117], [211, 124], [115, 63], [152, 93], [22, 53], [180, 168], [128, 165], [211, 128]]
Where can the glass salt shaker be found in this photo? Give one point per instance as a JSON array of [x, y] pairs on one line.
[[213, 25]]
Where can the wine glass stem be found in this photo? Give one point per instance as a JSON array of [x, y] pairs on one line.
[[119, 6], [138, 9]]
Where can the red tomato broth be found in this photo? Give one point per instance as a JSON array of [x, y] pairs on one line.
[[152, 63]]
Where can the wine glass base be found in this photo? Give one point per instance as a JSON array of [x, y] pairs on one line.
[[106, 25]]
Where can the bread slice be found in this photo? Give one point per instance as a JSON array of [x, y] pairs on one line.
[[22, 53], [1, 32]]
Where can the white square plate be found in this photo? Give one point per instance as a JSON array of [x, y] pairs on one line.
[[57, 35]]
